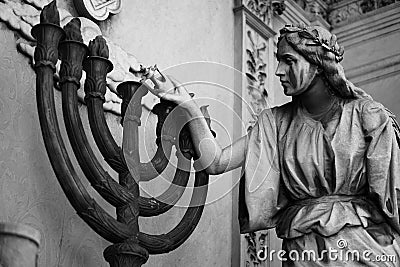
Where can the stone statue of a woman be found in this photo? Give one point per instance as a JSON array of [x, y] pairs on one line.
[[321, 169]]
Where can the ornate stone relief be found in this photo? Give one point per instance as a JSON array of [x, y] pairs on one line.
[[264, 8], [345, 13], [340, 11], [21, 15], [349, 10], [314, 7], [256, 74], [255, 55], [255, 247], [97, 9], [256, 71]]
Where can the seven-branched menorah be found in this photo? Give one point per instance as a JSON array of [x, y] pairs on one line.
[[130, 246]]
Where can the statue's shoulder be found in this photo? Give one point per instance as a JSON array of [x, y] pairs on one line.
[[285, 107], [278, 115], [284, 111], [366, 106], [371, 114]]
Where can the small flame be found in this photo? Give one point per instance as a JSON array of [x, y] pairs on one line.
[[73, 30], [98, 47], [50, 14]]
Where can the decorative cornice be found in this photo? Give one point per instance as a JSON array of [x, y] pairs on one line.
[[350, 10], [370, 26], [375, 70]]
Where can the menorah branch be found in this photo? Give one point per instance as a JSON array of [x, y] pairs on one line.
[[158, 244], [72, 55], [59, 159]]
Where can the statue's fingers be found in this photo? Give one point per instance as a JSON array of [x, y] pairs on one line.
[[155, 81], [178, 85], [162, 77], [174, 81]]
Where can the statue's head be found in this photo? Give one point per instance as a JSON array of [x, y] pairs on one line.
[[320, 48]]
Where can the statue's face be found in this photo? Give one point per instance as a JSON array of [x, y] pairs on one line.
[[294, 71]]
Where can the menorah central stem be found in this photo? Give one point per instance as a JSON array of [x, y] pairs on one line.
[[129, 252]]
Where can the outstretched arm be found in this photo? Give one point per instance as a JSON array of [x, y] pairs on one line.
[[212, 157]]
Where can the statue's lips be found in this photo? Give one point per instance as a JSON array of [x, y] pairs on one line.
[[283, 83]]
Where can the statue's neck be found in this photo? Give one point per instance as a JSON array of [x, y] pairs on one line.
[[317, 98]]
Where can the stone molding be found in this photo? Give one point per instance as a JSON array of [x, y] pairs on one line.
[[370, 26], [347, 11], [375, 70]]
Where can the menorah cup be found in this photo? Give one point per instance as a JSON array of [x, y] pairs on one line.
[[130, 246]]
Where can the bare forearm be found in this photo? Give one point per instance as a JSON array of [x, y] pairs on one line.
[[212, 157]]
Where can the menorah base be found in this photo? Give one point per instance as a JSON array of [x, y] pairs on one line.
[[126, 254]]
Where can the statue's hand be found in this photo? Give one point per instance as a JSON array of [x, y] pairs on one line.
[[168, 88]]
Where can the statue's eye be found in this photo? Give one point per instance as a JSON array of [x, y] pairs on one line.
[[289, 61]]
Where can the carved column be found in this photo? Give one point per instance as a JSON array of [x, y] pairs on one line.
[[254, 45]]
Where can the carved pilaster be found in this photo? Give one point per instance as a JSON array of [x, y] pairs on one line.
[[256, 72], [254, 42], [256, 244]]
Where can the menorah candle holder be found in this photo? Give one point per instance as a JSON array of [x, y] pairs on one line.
[[130, 246]]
